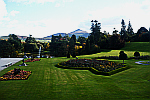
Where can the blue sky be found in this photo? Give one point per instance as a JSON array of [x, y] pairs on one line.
[[46, 17]]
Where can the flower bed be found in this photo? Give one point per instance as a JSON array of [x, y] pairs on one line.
[[32, 60], [96, 66], [16, 74]]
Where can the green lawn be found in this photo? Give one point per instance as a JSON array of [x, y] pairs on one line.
[[50, 82], [138, 46]]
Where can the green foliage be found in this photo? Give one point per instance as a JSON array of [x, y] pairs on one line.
[[103, 42], [87, 47], [122, 56], [74, 38], [15, 41], [81, 39], [30, 40], [96, 34], [145, 37], [6, 49], [130, 29], [31, 47], [115, 42], [71, 46], [58, 49]]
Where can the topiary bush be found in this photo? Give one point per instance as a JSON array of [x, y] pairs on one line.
[[122, 56], [136, 54]]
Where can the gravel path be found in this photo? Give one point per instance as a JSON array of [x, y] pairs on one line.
[[4, 61]]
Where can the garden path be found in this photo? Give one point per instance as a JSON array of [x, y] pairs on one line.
[[4, 61]]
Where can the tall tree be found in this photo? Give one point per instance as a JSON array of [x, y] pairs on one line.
[[122, 56], [74, 38], [6, 49], [81, 39], [15, 41], [123, 32], [95, 28], [87, 47], [130, 29], [30, 40], [71, 46]]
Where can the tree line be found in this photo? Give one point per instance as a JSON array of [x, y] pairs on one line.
[[66, 46]]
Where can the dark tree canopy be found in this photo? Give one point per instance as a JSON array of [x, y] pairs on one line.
[[30, 40], [136, 54], [6, 49], [123, 32], [15, 41], [81, 39], [122, 56], [74, 38], [95, 34], [130, 29]]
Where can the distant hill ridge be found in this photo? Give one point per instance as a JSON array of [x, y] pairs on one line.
[[77, 32]]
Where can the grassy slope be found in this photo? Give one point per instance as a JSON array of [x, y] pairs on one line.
[[137, 46], [49, 82]]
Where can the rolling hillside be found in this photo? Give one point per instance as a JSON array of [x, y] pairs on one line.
[[137, 46]]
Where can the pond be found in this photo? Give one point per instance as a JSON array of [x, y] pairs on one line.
[[143, 62]]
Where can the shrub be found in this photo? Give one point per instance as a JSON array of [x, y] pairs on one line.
[[122, 56], [136, 54]]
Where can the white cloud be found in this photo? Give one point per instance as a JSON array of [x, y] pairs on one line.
[[41, 28], [111, 17], [57, 5], [31, 1], [50, 27], [13, 23], [3, 11], [13, 13], [68, 0]]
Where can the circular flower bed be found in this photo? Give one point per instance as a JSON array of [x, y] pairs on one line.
[[16, 74], [98, 66], [32, 60]]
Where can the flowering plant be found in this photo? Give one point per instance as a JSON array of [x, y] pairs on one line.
[[32, 60], [103, 66], [11, 75]]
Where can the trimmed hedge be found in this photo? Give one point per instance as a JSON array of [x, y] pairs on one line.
[[145, 57]]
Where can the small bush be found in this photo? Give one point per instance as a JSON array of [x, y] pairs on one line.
[[136, 54]]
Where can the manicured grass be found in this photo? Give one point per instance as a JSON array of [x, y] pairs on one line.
[[50, 82], [137, 46]]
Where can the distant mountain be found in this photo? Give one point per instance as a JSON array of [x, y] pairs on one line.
[[22, 37], [4, 37], [77, 32]]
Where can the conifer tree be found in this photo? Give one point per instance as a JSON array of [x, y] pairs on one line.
[[130, 30]]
